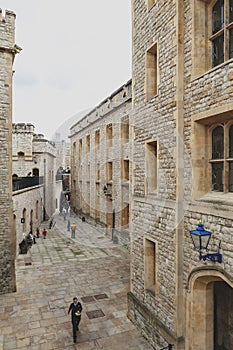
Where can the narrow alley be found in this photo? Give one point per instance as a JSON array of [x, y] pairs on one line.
[[48, 277]]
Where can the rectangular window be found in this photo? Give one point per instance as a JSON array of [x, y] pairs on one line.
[[217, 176], [97, 139], [109, 135], [230, 43], [151, 166], [88, 141], [109, 171], [231, 11], [150, 265], [80, 149], [151, 72], [125, 130], [125, 170], [230, 177], [218, 50]]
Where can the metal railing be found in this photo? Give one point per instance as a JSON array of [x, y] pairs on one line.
[[19, 183]]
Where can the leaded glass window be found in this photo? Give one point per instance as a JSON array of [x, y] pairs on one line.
[[218, 16], [217, 143], [230, 11], [217, 176], [231, 177], [231, 142]]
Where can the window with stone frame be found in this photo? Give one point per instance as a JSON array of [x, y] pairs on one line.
[[151, 72], [151, 158], [222, 31], [150, 267], [213, 34], [222, 157], [109, 135], [97, 139], [88, 143]]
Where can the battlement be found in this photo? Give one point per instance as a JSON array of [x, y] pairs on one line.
[[10, 16], [23, 128]]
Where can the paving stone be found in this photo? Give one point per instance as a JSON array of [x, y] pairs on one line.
[[35, 317]]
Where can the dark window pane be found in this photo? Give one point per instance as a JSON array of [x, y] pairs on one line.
[[231, 10], [230, 43], [218, 16], [218, 50], [230, 177], [217, 176], [231, 141], [217, 143]]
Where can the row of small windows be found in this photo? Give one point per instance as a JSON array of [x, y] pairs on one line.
[[109, 137], [220, 37]]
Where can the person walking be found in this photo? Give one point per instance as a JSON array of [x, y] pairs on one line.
[[68, 225], [76, 309], [44, 233], [73, 229], [37, 232]]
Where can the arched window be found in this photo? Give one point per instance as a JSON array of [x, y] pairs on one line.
[[217, 154], [218, 16], [221, 161]]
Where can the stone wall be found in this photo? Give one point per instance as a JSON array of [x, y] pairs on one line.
[[91, 169], [190, 99], [8, 49], [28, 205]]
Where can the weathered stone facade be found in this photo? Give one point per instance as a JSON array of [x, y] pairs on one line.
[[33, 155], [101, 162], [178, 100], [8, 49]]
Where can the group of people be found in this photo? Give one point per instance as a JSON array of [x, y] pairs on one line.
[[44, 232]]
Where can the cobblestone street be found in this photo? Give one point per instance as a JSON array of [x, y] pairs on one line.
[[53, 271]]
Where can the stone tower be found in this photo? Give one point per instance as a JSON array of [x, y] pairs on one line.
[[8, 50]]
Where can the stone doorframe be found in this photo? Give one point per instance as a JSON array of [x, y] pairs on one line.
[[200, 306]]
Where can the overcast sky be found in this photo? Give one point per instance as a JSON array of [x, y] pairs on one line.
[[74, 54]]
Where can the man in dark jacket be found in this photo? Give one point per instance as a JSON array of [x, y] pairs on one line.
[[75, 309]]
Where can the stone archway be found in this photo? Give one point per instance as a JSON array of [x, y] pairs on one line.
[[209, 317]]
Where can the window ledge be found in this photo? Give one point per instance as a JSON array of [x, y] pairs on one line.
[[217, 198]]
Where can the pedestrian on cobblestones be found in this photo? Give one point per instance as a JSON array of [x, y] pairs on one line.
[[73, 229], [44, 233], [68, 225], [37, 232], [76, 310]]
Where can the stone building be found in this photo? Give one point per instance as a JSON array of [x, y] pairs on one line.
[[8, 50], [62, 152], [34, 165], [101, 164], [183, 172]]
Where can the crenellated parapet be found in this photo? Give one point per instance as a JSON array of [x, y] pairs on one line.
[[23, 128], [7, 33], [107, 106]]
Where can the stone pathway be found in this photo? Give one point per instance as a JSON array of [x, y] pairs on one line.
[[58, 268]]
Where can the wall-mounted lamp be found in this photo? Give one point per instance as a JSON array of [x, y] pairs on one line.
[[201, 238]]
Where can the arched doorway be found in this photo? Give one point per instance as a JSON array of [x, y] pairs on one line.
[[210, 310]]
